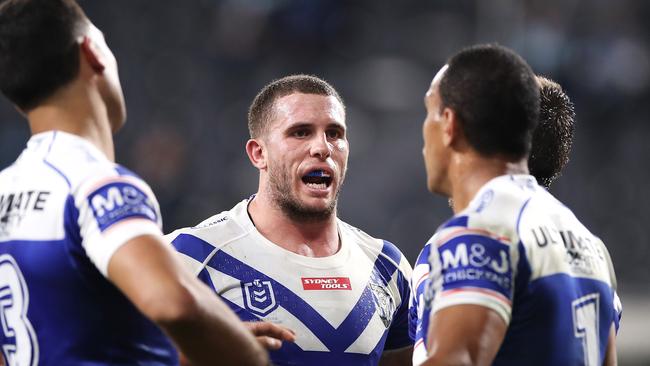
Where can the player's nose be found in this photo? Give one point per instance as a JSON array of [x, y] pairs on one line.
[[321, 147]]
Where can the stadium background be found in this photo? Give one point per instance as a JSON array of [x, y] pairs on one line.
[[190, 68]]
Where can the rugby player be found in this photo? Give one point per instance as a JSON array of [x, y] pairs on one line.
[[515, 277], [551, 145], [282, 255], [85, 277]]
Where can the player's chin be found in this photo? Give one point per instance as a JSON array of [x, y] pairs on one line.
[[317, 203]]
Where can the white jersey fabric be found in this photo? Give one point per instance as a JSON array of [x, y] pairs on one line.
[[345, 309], [518, 251], [64, 210]]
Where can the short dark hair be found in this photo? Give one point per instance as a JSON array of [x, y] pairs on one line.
[[553, 137], [261, 110], [495, 95], [38, 48]]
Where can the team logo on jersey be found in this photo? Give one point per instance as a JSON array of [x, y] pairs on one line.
[[485, 200], [259, 297], [383, 300], [326, 283], [117, 201]]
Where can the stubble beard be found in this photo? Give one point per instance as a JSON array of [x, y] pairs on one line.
[[291, 206]]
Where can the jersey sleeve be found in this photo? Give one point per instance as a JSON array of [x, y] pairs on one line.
[[473, 267], [398, 333], [113, 209], [417, 312], [618, 311]]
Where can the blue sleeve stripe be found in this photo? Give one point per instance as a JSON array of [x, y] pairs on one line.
[[399, 334], [193, 247], [385, 266], [391, 251]]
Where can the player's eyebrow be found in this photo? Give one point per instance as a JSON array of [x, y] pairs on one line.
[[300, 124]]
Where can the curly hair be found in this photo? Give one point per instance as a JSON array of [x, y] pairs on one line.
[[553, 137]]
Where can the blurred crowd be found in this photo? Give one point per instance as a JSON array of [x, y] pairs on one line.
[[191, 68]]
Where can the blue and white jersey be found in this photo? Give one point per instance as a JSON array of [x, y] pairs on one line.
[[64, 210], [345, 309], [518, 251], [418, 315]]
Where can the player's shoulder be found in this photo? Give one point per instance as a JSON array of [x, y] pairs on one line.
[[83, 165], [376, 247], [496, 209], [217, 230]]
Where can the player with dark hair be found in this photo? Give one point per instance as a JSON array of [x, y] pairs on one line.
[[515, 277], [552, 141], [553, 136], [84, 274], [282, 255]]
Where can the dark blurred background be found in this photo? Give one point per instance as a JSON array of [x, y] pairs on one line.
[[190, 69]]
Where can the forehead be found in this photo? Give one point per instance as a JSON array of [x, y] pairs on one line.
[[307, 108], [436, 80]]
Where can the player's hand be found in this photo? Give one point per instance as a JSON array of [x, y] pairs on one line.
[[270, 335]]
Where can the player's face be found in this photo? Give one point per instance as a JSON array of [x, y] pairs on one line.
[[307, 151], [434, 152], [110, 86]]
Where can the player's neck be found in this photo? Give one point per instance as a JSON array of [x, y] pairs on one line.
[[76, 115], [311, 239], [472, 172]]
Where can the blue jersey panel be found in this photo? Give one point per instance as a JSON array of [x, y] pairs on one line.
[[93, 321], [558, 312], [263, 294]]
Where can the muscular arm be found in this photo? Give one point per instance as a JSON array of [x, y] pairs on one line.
[[464, 335], [201, 326], [610, 354], [397, 357]]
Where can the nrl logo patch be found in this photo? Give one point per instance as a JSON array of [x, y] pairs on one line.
[[259, 297]]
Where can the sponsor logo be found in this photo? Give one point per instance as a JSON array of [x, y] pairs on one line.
[[120, 200], [326, 283], [478, 257], [259, 297], [582, 253], [14, 206], [476, 260], [211, 223]]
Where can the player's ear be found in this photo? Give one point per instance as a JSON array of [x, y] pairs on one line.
[[91, 55], [450, 127], [256, 153]]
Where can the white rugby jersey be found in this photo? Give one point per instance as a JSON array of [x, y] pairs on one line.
[[64, 210], [517, 250], [345, 309]]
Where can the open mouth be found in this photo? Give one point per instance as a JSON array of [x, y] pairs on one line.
[[318, 179]]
